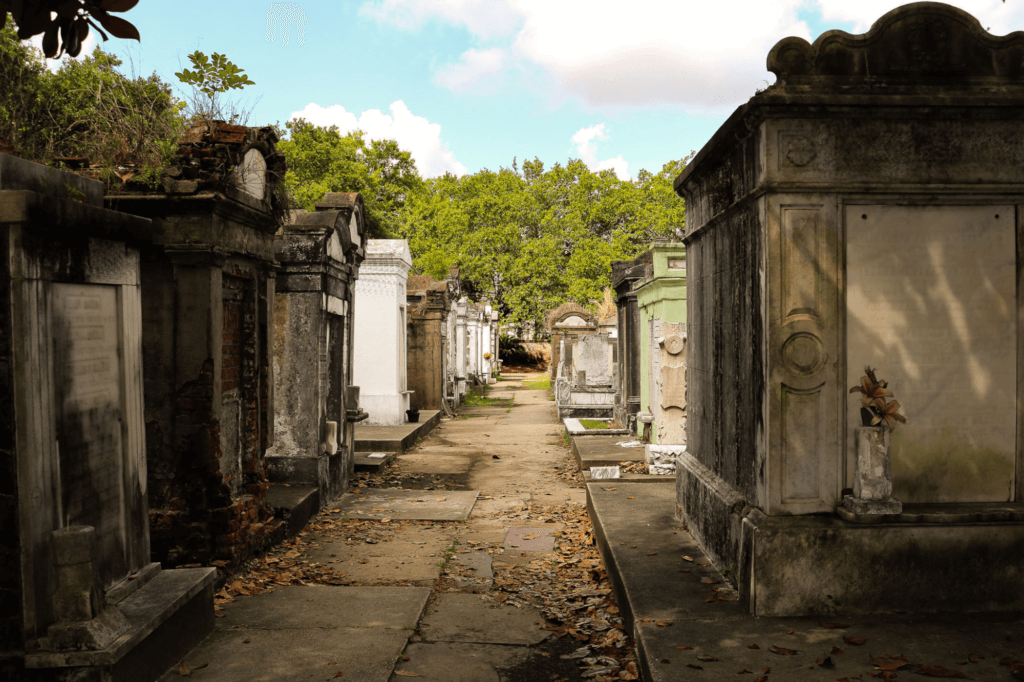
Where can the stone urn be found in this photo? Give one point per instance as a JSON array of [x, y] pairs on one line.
[[872, 482]]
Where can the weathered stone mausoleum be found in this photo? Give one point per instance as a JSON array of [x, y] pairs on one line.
[[429, 333], [80, 596], [208, 273], [866, 209], [319, 255], [567, 322]]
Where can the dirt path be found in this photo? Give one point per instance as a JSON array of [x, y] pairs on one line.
[[514, 593]]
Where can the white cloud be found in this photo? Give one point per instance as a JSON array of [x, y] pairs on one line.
[[413, 133], [476, 70], [698, 55], [995, 15], [586, 139], [485, 19]]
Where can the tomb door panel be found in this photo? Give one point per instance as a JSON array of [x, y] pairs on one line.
[[90, 418], [932, 304], [803, 279]]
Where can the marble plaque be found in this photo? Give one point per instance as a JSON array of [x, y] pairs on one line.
[[88, 378], [252, 174], [932, 305]]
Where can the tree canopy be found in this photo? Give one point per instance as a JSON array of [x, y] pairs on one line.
[[323, 160], [531, 239]]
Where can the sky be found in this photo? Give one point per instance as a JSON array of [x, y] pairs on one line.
[[466, 85]]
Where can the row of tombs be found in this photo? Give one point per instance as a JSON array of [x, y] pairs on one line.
[[168, 359], [863, 211]]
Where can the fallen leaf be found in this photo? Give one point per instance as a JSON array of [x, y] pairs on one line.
[[651, 553], [338, 674], [763, 678], [663, 623], [833, 625], [687, 558], [183, 669], [695, 667], [717, 597], [937, 671], [246, 640], [706, 658], [744, 672], [665, 660], [781, 651], [385, 520], [1017, 670], [974, 658], [766, 670], [836, 651], [646, 620], [856, 641], [791, 632], [406, 673], [201, 666], [631, 497], [825, 662], [684, 647], [702, 564], [753, 646], [1009, 660]]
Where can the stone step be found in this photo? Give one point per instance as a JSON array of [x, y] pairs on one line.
[[167, 616], [293, 505], [365, 463], [374, 438]]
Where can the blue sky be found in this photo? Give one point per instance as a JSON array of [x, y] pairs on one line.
[[471, 84]]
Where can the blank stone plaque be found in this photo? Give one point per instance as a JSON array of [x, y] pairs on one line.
[[88, 379], [931, 303]]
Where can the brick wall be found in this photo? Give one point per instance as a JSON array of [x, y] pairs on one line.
[[219, 512]]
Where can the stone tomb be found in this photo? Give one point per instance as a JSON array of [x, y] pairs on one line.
[[429, 310], [208, 282], [81, 590], [380, 342], [624, 275], [661, 297], [320, 254], [863, 210], [567, 322]]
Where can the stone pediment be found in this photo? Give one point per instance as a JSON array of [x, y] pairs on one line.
[[572, 314], [928, 41]]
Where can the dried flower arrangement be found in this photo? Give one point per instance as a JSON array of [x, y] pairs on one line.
[[875, 410]]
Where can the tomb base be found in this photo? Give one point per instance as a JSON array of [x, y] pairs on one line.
[[928, 558], [166, 617], [824, 566], [385, 409]]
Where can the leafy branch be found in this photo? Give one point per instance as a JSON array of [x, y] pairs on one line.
[[67, 31]]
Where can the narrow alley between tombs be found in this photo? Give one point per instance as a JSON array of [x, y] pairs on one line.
[[510, 587]]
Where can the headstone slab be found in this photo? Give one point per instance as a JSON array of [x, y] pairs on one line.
[[252, 174]]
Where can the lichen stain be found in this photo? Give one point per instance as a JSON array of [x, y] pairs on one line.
[[949, 470]]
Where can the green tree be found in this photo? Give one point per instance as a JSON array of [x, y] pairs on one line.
[[323, 160], [64, 24], [531, 239]]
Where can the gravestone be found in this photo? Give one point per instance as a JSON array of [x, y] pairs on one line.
[[593, 355], [76, 530]]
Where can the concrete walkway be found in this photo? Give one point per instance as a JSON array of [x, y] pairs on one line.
[[688, 622], [470, 559]]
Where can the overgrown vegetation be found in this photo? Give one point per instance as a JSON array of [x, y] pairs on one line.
[[474, 399], [594, 424], [88, 111]]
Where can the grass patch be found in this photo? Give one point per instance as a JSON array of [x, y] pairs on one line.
[[593, 424], [480, 399], [565, 438], [539, 385]]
